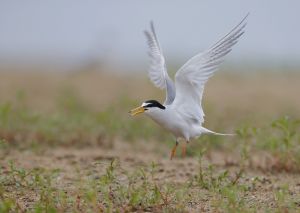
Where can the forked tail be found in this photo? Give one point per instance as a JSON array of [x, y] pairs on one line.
[[207, 131]]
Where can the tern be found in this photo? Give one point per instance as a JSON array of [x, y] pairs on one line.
[[182, 113]]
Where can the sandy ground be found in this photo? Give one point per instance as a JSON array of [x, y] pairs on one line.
[[243, 96], [92, 162]]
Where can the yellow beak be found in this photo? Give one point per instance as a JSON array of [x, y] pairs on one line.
[[136, 111]]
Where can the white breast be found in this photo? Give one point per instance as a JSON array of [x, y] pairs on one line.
[[170, 120]]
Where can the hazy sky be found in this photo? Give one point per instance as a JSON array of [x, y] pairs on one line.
[[112, 30]]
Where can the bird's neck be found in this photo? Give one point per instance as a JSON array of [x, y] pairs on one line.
[[160, 116]]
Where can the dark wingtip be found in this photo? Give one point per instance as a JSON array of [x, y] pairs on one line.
[[151, 23], [152, 27]]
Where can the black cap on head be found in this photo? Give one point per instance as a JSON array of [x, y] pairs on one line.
[[154, 103]]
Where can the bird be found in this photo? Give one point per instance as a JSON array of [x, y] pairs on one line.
[[181, 113]]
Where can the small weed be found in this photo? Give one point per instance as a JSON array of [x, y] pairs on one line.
[[140, 188], [284, 200]]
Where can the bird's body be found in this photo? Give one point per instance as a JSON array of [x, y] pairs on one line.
[[182, 113], [172, 121]]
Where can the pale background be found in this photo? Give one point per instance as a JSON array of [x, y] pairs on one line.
[[75, 32]]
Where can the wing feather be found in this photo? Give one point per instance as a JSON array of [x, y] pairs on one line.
[[158, 72], [192, 76]]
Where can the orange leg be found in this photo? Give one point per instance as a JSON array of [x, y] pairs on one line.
[[183, 153], [173, 152]]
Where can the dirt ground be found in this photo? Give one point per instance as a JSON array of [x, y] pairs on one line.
[[268, 95], [92, 162]]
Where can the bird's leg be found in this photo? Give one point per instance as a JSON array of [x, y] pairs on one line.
[[173, 152], [183, 153]]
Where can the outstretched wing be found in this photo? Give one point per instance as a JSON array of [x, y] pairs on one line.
[[158, 72], [192, 76]]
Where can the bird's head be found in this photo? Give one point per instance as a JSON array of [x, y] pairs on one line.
[[147, 107]]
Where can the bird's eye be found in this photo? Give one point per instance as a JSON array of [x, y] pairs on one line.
[[149, 106]]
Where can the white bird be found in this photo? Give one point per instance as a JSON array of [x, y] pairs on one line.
[[182, 113]]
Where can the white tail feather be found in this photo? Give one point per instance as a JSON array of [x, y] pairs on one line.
[[207, 131]]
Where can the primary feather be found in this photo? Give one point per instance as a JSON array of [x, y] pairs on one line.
[[192, 76], [158, 72]]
